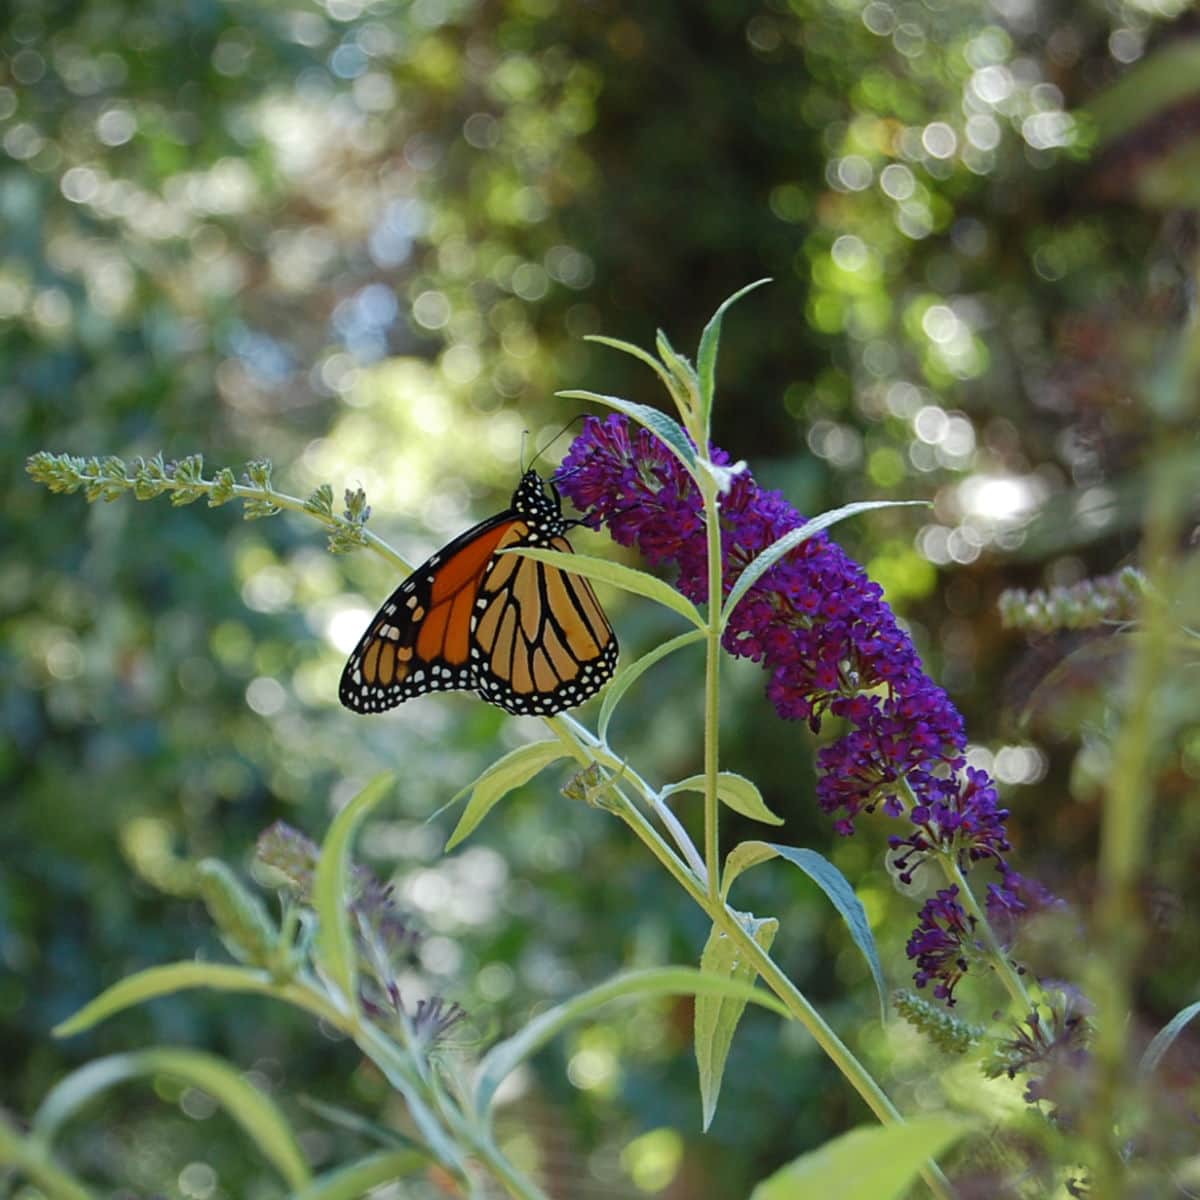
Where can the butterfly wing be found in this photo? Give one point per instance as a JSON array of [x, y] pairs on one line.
[[541, 642], [420, 640], [527, 636]]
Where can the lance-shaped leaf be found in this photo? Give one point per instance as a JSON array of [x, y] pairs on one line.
[[1163, 1039], [875, 1163], [741, 858], [628, 579], [155, 982], [517, 767], [831, 881], [668, 431], [706, 359], [760, 565], [355, 1180], [1150, 87], [685, 390], [333, 948], [734, 790], [628, 675], [505, 1056], [717, 1017], [252, 1109], [636, 352], [353, 1122]]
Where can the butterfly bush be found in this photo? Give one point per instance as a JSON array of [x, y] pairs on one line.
[[832, 647]]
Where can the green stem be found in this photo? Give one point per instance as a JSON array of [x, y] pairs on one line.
[[516, 1184], [1126, 821], [712, 690], [855, 1073], [32, 1158], [578, 739], [586, 749]]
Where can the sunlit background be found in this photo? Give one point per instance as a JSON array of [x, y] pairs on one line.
[[366, 240]]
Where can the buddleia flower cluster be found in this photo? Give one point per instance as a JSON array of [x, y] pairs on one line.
[[832, 648], [386, 941], [1106, 599]]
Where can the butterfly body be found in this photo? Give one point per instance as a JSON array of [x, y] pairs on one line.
[[525, 635]]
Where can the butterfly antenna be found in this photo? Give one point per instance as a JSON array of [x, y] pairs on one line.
[[555, 438]]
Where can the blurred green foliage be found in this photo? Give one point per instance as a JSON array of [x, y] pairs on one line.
[[365, 238]]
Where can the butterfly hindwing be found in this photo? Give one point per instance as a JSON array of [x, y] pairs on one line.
[[527, 636], [545, 643]]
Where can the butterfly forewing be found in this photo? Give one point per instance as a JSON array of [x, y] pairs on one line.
[[419, 641], [528, 637]]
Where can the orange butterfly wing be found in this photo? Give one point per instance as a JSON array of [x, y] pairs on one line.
[[544, 642], [420, 640], [528, 637]]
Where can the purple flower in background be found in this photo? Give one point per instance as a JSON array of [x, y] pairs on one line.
[[959, 816], [1015, 900], [821, 628], [939, 943]]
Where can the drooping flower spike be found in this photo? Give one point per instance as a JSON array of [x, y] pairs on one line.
[[829, 641]]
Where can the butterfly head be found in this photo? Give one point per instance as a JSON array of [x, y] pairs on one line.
[[532, 500]]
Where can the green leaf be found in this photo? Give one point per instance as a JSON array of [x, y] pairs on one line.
[[517, 767], [833, 883], [240, 916], [333, 947], [155, 982], [736, 791], [252, 1109], [1158, 82], [353, 1181], [1163, 1039], [686, 391], [656, 981], [756, 569], [706, 359], [872, 1163], [668, 431], [31, 1158], [628, 579], [353, 1122], [636, 351], [717, 1017], [741, 858], [628, 675]]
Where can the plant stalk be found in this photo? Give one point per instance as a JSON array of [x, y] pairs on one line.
[[1123, 839], [712, 690], [32, 1158], [855, 1073]]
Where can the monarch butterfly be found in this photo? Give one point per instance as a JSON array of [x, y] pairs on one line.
[[526, 636]]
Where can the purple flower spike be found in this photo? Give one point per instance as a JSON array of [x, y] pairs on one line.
[[831, 645], [814, 620], [939, 943], [960, 816]]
